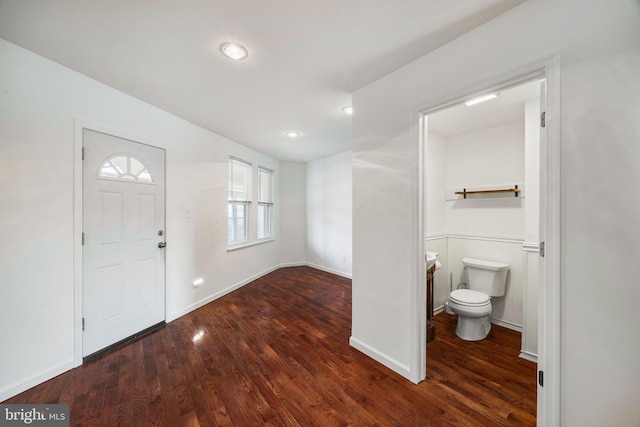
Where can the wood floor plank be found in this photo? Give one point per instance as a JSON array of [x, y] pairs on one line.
[[275, 353], [167, 391]]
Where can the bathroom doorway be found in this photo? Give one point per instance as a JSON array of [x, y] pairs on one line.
[[499, 145]]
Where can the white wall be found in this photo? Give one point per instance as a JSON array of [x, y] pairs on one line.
[[435, 210], [329, 209], [435, 201], [39, 104], [480, 159], [293, 206], [532, 170], [597, 42]]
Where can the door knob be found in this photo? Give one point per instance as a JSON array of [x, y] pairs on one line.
[[162, 244]]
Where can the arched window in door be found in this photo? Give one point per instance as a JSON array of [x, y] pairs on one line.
[[123, 167]]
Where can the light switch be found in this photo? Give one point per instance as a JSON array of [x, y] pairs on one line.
[[188, 213]]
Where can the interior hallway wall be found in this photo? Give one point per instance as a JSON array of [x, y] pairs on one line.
[[599, 61], [329, 211], [293, 216], [39, 104]]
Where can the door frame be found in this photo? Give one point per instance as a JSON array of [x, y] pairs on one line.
[[80, 126], [548, 402]]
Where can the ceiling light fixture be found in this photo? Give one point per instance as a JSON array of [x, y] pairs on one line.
[[480, 99], [347, 109], [233, 50], [293, 134]]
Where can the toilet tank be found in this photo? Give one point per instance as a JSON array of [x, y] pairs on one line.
[[488, 277]]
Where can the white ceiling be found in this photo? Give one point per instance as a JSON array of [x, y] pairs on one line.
[[305, 57], [508, 107]]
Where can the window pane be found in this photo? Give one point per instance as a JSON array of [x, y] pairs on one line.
[[144, 176], [264, 221], [121, 164], [239, 180], [108, 171], [125, 168], [237, 223], [135, 167], [265, 186]]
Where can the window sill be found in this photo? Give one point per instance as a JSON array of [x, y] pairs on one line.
[[248, 244]]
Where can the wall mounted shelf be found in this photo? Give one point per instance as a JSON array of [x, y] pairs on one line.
[[515, 190], [501, 191]]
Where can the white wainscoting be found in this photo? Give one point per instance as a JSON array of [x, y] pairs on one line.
[[529, 349]]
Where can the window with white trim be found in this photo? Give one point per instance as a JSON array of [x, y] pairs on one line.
[[265, 203], [239, 201]]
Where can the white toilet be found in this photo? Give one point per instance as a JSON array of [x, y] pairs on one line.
[[486, 279]]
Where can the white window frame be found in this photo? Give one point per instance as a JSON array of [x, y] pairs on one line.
[[265, 221], [256, 186], [236, 201]]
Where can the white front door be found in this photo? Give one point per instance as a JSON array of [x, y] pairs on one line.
[[123, 224]]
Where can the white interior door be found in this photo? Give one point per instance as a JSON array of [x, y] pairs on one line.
[[123, 273]]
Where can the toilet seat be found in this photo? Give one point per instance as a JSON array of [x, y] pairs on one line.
[[469, 298]]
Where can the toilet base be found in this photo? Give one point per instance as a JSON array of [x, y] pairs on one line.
[[448, 309], [473, 328]]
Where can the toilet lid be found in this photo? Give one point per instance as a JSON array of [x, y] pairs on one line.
[[469, 297]]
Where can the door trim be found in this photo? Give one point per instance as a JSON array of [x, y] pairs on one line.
[[80, 126], [548, 407]]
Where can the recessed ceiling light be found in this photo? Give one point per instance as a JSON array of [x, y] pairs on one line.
[[480, 99], [293, 134], [347, 109], [233, 50]]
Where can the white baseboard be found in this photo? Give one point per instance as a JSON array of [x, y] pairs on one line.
[[508, 325], [39, 378], [529, 356], [293, 264], [329, 270], [216, 295], [387, 361]]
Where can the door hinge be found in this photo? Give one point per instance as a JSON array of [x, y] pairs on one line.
[[83, 324], [83, 237], [541, 378], [82, 153], [542, 249], [543, 119]]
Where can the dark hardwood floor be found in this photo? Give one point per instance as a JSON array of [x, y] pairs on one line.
[[276, 352]]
